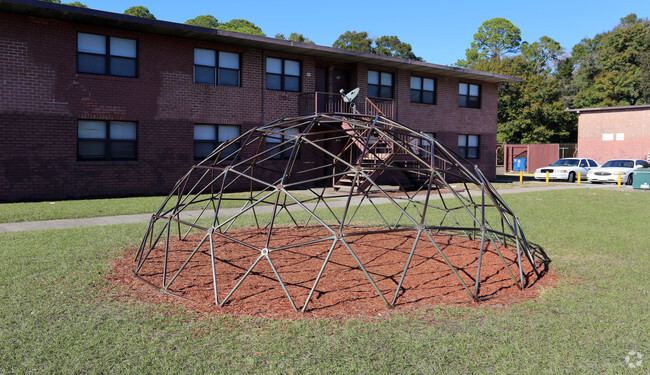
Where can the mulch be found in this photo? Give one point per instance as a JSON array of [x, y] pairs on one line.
[[344, 290]]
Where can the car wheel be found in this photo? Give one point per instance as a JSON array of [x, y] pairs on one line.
[[572, 177], [629, 179]]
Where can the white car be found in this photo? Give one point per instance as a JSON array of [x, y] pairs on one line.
[[566, 169], [609, 171]]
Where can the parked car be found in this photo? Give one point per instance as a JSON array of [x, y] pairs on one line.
[[609, 171], [566, 169]]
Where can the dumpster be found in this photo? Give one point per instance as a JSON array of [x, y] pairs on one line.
[[641, 179], [520, 164]]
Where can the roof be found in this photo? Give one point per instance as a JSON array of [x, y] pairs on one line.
[[609, 109], [122, 21]]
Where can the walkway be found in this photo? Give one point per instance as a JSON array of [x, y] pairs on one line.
[[143, 218]]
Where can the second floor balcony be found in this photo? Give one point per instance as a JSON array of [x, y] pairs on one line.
[[329, 102]]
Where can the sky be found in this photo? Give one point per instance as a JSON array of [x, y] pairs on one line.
[[438, 31]]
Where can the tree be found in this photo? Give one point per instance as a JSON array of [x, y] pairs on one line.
[[611, 68], [541, 54], [139, 11], [355, 41], [205, 20], [532, 111], [74, 4], [385, 45], [494, 39], [241, 26], [294, 37], [77, 4], [392, 46]]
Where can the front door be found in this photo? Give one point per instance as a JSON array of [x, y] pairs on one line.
[[341, 80]]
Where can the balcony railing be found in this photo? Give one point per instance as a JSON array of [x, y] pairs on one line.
[[329, 102]]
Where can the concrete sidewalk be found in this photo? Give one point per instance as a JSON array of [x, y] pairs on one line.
[[337, 202]]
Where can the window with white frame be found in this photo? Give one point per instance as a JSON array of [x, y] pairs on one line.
[[282, 74], [216, 67], [380, 84], [469, 95], [279, 142], [100, 54], [468, 146], [423, 90], [208, 137], [106, 140]]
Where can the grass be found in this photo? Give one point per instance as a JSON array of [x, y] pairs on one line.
[[58, 316], [75, 209]]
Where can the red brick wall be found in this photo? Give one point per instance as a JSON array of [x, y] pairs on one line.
[[448, 120], [633, 125], [43, 96]]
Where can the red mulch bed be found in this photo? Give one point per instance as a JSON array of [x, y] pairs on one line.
[[343, 291]]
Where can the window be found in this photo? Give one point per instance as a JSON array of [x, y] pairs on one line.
[[592, 163], [283, 151], [99, 54], [209, 137], [468, 146], [380, 84], [106, 140], [469, 95], [282, 75], [583, 163], [423, 90], [216, 67], [422, 147]]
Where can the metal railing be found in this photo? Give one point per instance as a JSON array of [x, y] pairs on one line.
[[330, 102]]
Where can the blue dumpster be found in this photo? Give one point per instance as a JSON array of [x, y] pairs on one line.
[[520, 164]]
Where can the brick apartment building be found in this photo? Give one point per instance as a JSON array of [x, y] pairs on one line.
[[614, 132], [102, 104]]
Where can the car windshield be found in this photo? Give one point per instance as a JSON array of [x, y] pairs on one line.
[[619, 164], [565, 163]]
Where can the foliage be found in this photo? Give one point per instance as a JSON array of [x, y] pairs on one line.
[[392, 46], [612, 67], [139, 11], [355, 41], [532, 111], [52, 1], [294, 37], [206, 20], [494, 38], [385, 45], [77, 4], [241, 26]]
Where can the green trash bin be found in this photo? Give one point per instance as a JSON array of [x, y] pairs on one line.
[[641, 179]]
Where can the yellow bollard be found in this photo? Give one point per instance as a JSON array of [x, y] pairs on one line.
[[619, 180], [521, 177], [547, 177], [579, 174]]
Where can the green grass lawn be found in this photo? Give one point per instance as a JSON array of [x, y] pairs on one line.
[[74, 209], [58, 316]]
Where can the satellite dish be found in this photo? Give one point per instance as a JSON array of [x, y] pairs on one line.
[[349, 97]]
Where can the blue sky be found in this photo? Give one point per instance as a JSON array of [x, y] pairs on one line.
[[438, 31]]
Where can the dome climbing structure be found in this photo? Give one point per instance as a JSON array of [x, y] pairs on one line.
[[331, 178]]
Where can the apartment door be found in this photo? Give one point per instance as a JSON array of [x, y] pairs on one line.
[[340, 80]]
